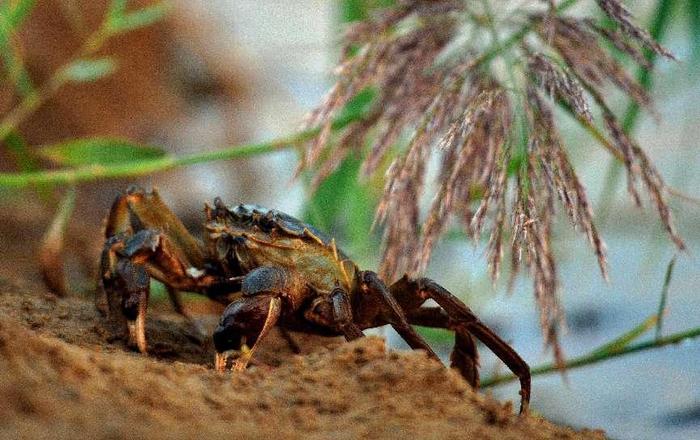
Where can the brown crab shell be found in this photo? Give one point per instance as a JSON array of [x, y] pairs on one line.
[[251, 236]]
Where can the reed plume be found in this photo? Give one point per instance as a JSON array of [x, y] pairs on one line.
[[484, 106]]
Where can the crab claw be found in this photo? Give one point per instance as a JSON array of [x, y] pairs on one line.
[[243, 359]]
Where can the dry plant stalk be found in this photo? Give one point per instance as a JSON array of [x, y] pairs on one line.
[[503, 164]]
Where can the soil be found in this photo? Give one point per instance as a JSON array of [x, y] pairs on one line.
[[63, 375]]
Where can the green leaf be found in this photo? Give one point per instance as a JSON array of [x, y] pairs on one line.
[[26, 160], [16, 72], [624, 340], [342, 204], [121, 21], [87, 70], [11, 17], [353, 10], [116, 9], [97, 151], [359, 104], [436, 335]]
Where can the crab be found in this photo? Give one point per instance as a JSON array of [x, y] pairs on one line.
[[271, 269]]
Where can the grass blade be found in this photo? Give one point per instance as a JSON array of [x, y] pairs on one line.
[[664, 296], [627, 338], [694, 30]]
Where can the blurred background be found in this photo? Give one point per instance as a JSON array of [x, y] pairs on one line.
[[222, 72]]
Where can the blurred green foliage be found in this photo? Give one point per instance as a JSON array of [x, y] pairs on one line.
[[343, 204], [120, 20]]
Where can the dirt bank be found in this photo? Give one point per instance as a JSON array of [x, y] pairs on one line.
[[61, 376]]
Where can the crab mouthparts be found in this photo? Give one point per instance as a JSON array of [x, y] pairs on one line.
[[221, 359]]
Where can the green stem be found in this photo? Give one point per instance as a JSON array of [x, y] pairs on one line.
[[598, 356], [139, 168], [28, 105], [144, 167]]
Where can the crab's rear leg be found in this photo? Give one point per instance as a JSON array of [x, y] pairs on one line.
[[391, 311], [464, 357], [412, 293], [334, 312]]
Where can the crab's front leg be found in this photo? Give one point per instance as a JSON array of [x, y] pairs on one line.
[[126, 285], [143, 239], [249, 319], [126, 268]]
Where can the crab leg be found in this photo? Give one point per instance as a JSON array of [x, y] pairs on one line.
[[412, 293], [342, 315], [126, 267], [145, 239], [221, 359], [273, 315], [464, 357], [176, 300], [137, 327], [126, 284], [290, 340], [392, 312], [251, 316]]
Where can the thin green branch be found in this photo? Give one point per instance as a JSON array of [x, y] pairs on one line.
[[598, 355], [139, 168], [144, 167], [26, 160], [115, 22]]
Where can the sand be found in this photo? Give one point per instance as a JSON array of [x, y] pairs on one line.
[[63, 376]]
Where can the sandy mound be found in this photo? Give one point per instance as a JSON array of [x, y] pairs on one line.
[[61, 377]]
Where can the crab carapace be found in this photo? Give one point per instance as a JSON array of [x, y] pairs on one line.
[[274, 270]]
